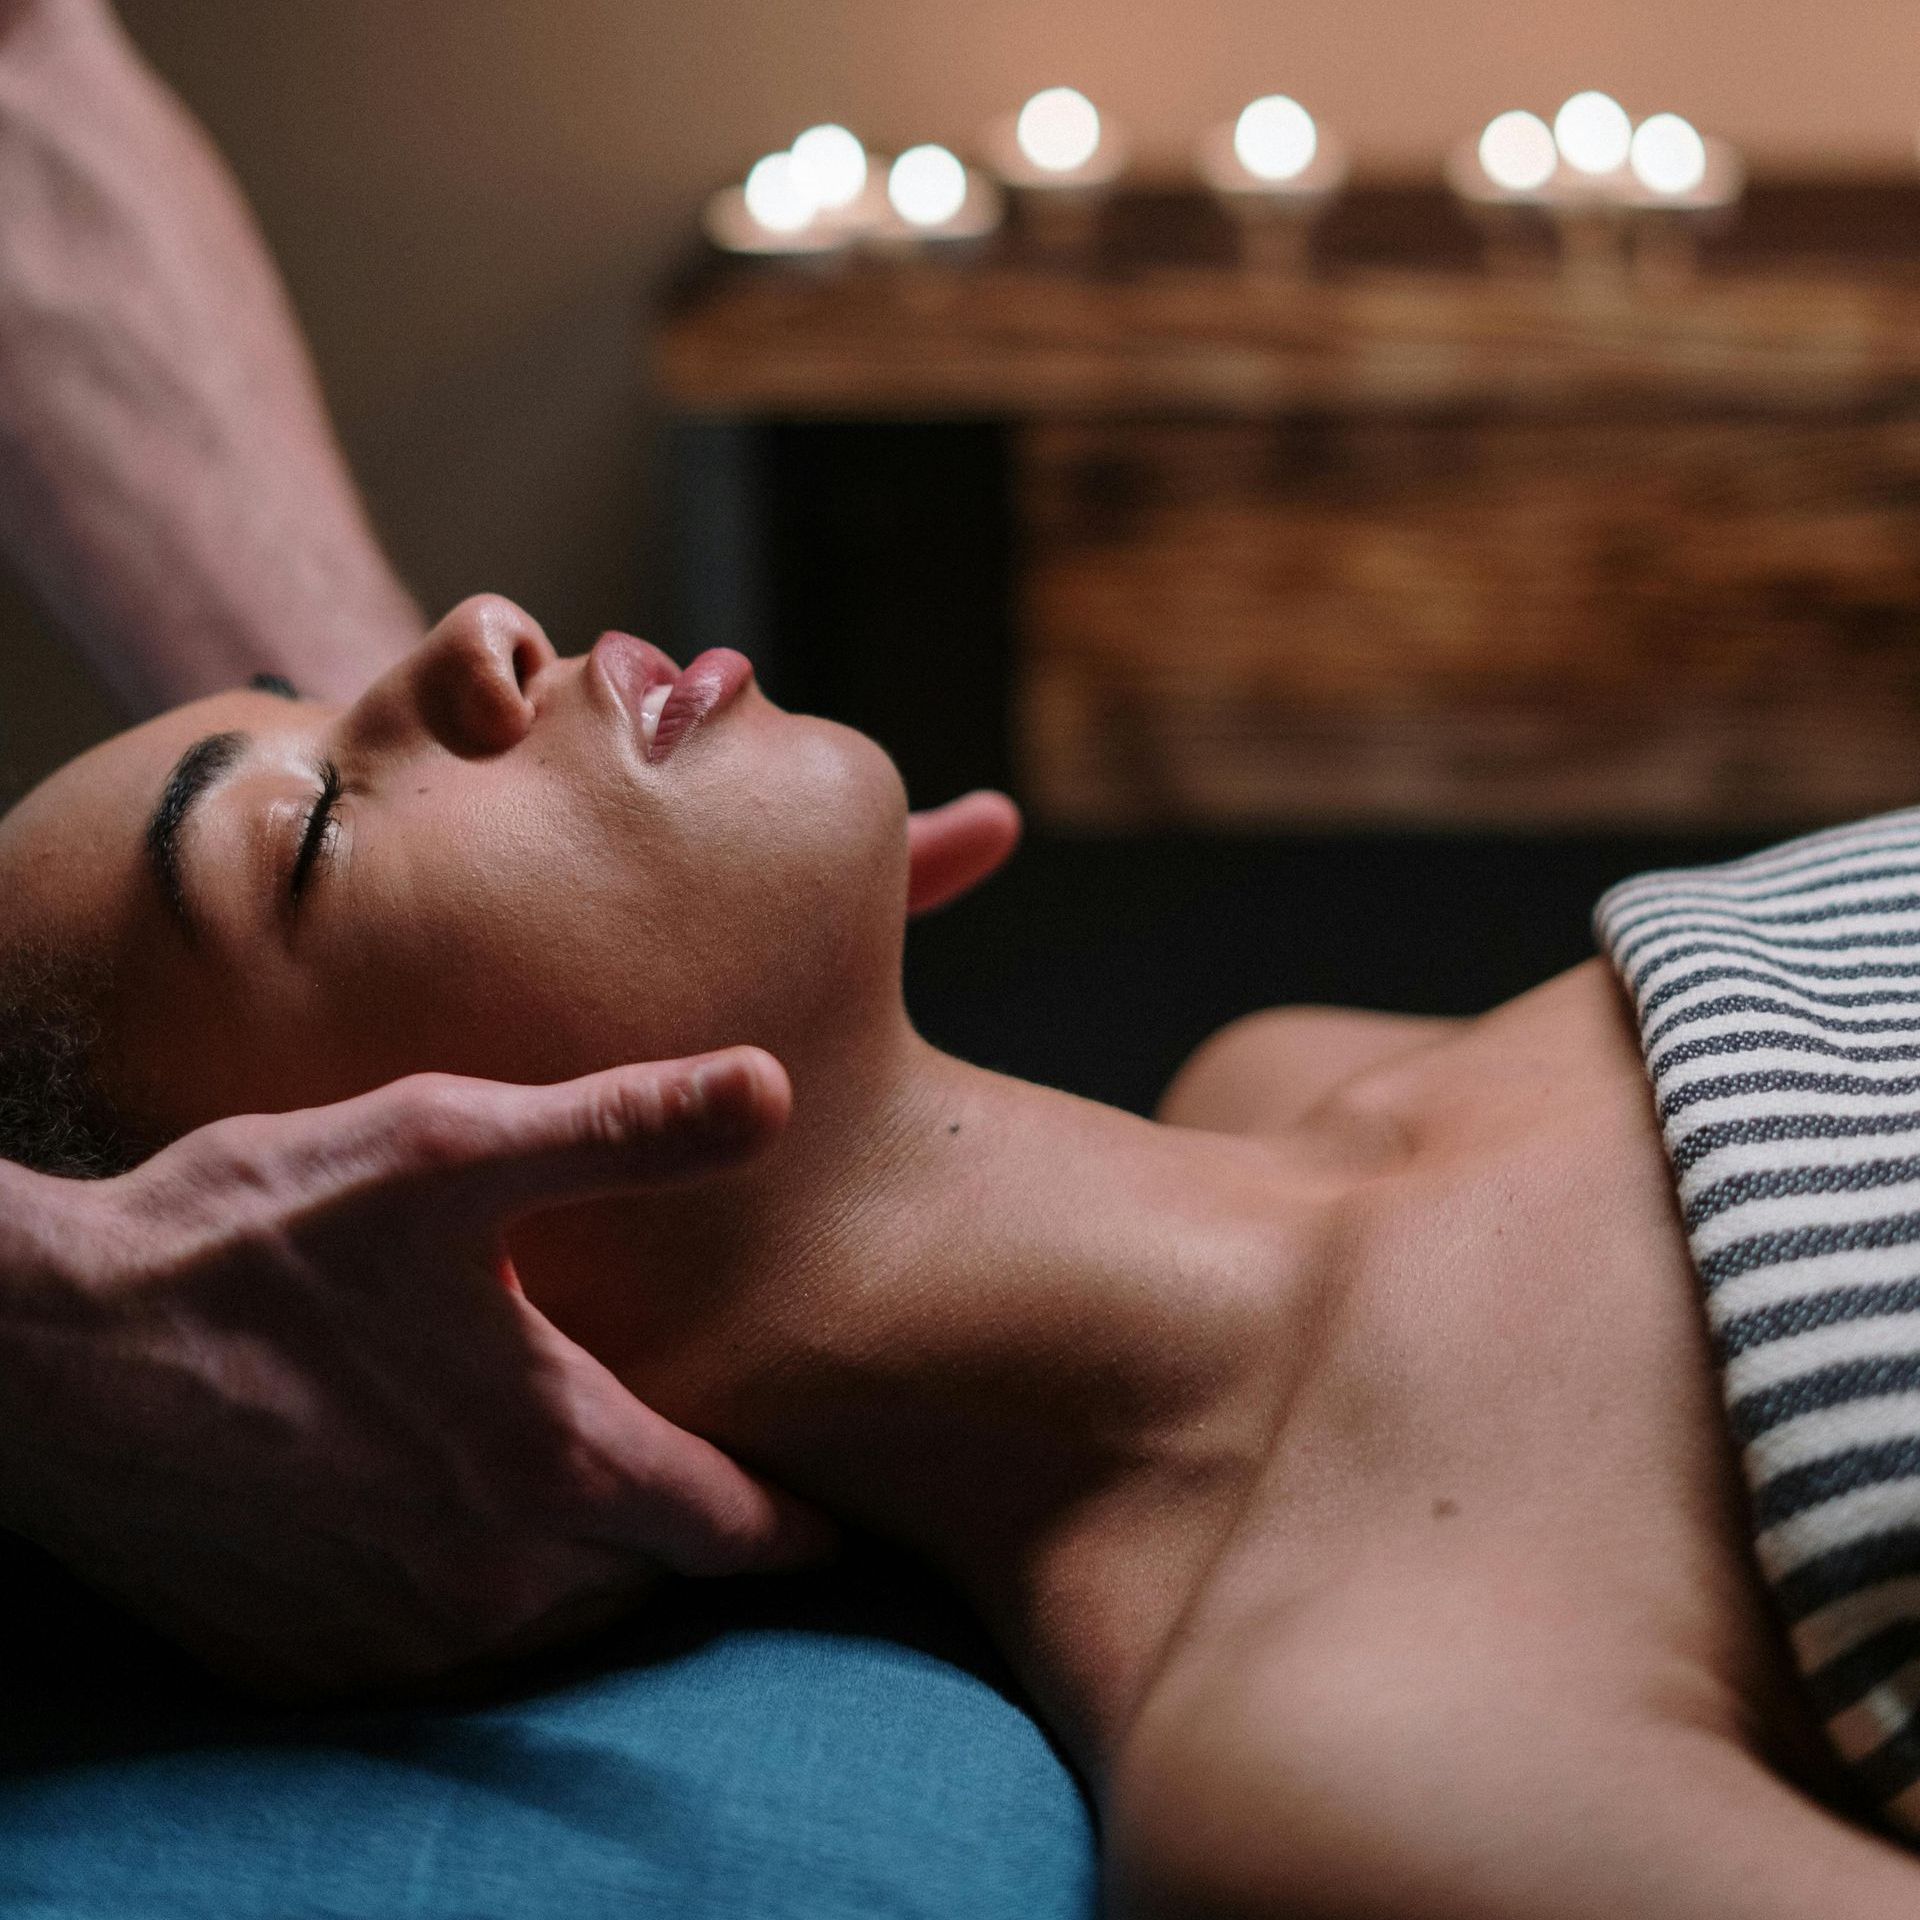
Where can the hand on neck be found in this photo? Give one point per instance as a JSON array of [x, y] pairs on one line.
[[981, 1317]]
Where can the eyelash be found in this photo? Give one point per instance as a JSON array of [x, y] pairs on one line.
[[316, 839]]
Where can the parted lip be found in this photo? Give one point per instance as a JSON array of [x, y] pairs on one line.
[[637, 670]]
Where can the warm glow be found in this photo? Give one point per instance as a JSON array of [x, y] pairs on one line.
[[1667, 156], [1593, 133], [778, 196], [1517, 152], [1058, 130], [832, 165], [1274, 138], [927, 186]]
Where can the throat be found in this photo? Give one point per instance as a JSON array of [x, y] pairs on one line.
[[1039, 1342]]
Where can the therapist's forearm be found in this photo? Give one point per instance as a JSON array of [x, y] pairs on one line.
[[169, 481]]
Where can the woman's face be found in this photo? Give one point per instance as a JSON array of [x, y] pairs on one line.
[[517, 877]]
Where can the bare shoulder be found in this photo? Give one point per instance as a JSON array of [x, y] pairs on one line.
[[1265, 1071], [1346, 1776]]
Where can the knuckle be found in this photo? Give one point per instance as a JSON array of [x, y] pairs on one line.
[[440, 1121], [228, 1176], [634, 1109]]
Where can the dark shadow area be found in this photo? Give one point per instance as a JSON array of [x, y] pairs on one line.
[[82, 1681], [1098, 965]]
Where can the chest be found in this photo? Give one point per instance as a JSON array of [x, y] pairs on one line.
[[1515, 1424]]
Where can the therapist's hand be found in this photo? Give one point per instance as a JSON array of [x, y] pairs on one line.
[[278, 1391]]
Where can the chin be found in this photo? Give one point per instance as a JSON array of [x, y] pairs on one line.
[[848, 815], [795, 887]]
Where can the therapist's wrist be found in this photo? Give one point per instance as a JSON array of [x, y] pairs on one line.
[[33, 1211], [46, 1297]]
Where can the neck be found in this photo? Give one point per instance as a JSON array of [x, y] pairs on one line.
[[1042, 1342]]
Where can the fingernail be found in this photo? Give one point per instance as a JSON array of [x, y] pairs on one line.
[[713, 1098]]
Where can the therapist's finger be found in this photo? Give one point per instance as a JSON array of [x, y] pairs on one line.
[[650, 1487], [951, 849], [484, 1153]]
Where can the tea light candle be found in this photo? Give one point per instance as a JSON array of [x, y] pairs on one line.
[[1674, 166], [1680, 184], [927, 186], [932, 197], [1058, 157], [1276, 171], [1057, 143], [831, 164], [1058, 131], [776, 211], [1574, 173], [1593, 135], [1508, 178], [1517, 153]]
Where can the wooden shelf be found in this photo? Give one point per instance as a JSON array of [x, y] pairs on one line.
[[1415, 543], [1021, 342]]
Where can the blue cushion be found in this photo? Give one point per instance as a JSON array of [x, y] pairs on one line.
[[839, 1744]]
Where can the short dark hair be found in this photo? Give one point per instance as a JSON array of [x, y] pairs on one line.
[[53, 1116]]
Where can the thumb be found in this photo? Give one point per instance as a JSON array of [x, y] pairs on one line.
[[489, 1153]]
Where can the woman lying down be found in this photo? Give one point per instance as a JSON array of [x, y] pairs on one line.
[[1341, 1460]]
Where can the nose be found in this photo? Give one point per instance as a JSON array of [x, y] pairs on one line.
[[467, 682]]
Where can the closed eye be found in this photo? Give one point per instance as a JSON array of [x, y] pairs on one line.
[[316, 839]]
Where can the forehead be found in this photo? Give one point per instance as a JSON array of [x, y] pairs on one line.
[[72, 859]]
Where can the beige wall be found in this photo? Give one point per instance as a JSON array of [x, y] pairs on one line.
[[469, 196]]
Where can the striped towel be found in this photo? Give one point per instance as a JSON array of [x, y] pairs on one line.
[[1779, 1008]]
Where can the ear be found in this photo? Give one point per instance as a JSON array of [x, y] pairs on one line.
[[951, 849]]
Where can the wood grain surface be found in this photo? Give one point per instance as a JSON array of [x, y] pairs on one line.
[[1416, 543]]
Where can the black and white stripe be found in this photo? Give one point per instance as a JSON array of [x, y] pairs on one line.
[[1779, 1008]]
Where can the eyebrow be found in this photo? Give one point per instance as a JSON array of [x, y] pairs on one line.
[[193, 773]]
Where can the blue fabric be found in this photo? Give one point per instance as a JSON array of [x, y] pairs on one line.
[[821, 1748]]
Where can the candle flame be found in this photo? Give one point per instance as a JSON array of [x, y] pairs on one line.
[[1058, 130], [778, 197], [1667, 156], [1517, 152], [832, 165], [927, 186], [1593, 133], [1275, 138]]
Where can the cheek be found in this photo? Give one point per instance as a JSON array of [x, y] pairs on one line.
[[535, 932], [802, 897], [756, 896]]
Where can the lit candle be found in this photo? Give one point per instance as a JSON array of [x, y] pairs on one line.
[[779, 196], [1667, 156], [1275, 139], [1593, 134], [927, 186], [1680, 185], [1058, 130], [832, 166], [1057, 143], [1507, 178], [931, 196], [775, 211], [1517, 153], [1059, 157], [1276, 172], [1574, 172]]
